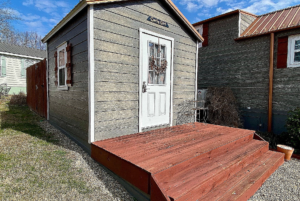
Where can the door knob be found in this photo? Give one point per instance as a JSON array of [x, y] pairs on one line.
[[144, 87]]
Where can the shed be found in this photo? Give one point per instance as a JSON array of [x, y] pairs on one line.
[[258, 58], [119, 67]]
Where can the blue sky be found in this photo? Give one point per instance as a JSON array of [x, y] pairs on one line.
[[42, 15]]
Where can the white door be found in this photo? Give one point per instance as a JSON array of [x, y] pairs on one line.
[[155, 81]]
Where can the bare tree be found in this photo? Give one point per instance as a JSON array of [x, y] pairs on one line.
[[11, 36], [6, 16]]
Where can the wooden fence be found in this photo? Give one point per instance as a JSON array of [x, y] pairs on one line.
[[37, 88]]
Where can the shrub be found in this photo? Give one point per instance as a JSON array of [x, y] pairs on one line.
[[292, 137], [222, 107], [18, 99]]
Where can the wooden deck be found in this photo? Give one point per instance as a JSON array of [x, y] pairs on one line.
[[190, 162]]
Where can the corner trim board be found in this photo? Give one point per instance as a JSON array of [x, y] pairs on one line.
[[240, 21], [91, 58], [196, 79], [47, 83]]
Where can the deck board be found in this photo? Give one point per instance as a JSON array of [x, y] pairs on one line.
[[157, 150], [188, 162]]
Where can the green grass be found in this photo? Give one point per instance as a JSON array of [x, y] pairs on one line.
[[31, 160]]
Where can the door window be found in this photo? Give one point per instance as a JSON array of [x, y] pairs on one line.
[[158, 64]]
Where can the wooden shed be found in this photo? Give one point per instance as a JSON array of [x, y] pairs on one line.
[[119, 67], [119, 75]]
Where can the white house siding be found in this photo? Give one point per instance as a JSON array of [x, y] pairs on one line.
[[13, 76]]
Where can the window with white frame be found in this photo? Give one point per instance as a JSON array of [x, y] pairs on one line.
[[23, 68], [294, 51], [2, 66], [61, 64]]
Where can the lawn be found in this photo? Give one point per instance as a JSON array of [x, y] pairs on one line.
[[40, 165]]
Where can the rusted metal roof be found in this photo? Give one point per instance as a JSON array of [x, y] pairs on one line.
[[284, 19]]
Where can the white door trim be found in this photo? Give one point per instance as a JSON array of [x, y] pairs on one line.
[[141, 30]]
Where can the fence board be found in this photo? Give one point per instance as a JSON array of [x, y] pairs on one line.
[[37, 88]]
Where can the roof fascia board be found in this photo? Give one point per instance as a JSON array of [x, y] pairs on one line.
[[79, 7], [266, 33], [19, 55], [183, 18]]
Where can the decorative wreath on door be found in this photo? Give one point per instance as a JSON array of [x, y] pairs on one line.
[[158, 69]]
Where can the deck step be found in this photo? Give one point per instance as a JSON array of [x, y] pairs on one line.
[[203, 173], [246, 182], [190, 162]]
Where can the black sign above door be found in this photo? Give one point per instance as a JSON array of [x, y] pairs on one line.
[[157, 21]]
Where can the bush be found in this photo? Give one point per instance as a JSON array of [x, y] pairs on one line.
[[292, 137], [222, 107], [18, 99]]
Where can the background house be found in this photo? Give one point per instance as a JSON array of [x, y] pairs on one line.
[[119, 67], [239, 52], [14, 61]]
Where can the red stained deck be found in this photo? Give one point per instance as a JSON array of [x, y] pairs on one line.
[[189, 162]]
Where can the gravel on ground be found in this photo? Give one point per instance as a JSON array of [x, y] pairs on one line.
[[104, 186], [283, 185]]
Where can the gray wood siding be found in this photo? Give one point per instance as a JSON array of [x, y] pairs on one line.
[[69, 110], [117, 63], [241, 65], [244, 66], [245, 21], [286, 81]]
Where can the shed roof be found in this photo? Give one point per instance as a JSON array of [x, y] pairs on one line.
[[83, 3], [288, 18], [22, 51]]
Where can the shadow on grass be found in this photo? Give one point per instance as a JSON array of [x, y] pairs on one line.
[[21, 118]]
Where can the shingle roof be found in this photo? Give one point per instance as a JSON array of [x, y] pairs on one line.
[[20, 50], [288, 18]]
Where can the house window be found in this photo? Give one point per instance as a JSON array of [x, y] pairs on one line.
[[294, 51], [23, 68], [61, 64], [3, 66]]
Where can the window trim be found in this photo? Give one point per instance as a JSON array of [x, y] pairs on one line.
[[65, 87], [291, 51], [1, 75], [23, 66]]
